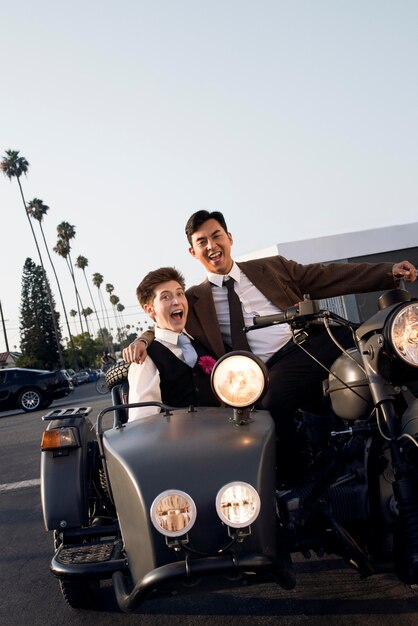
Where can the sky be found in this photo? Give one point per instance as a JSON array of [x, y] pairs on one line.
[[295, 118]]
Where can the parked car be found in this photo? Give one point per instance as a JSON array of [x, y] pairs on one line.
[[73, 376], [67, 375], [93, 375], [82, 377], [30, 389]]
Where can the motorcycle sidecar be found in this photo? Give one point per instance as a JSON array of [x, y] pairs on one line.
[[174, 500]]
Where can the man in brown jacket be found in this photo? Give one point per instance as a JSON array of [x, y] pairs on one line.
[[264, 287]]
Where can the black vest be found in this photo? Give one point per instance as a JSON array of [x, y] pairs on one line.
[[180, 384]]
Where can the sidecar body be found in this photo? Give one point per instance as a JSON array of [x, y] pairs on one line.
[[173, 501]]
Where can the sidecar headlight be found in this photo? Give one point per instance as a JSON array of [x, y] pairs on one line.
[[173, 513], [239, 379], [238, 504], [403, 333]]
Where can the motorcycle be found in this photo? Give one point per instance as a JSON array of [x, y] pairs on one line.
[[187, 497]]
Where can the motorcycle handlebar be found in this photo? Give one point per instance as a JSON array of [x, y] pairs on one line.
[[302, 309]]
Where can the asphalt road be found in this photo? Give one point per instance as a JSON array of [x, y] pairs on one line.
[[327, 593]]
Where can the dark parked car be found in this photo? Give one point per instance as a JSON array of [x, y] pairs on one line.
[[82, 377], [73, 376], [30, 389], [93, 374]]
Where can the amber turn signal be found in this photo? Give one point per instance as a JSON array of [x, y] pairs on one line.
[[60, 438]]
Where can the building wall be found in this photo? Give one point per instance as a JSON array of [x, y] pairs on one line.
[[387, 244]]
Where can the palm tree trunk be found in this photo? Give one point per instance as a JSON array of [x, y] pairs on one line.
[[94, 306], [104, 308], [73, 352], [48, 290], [77, 295]]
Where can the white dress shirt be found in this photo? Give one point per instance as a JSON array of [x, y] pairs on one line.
[[264, 342], [144, 380]]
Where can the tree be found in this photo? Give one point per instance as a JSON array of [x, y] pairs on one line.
[[97, 282], [37, 330], [120, 308], [82, 262], [114, 300], [108, 338], [73, 313], [13, 166], [66, 232], [37, 210], [88, 350], [86, 313]]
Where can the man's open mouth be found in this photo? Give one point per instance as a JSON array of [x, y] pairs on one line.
[[177, 314], [215, 256]]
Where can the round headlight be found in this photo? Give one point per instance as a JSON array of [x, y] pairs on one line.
[[173, 513], [238, 504], [239, 379], [403, 333]]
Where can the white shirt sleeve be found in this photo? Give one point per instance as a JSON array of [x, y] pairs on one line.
[[144, 386]]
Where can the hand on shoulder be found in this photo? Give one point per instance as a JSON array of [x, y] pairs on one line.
[[136, 352]]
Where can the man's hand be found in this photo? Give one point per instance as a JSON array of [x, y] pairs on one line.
[[405, 271], [136, 352]]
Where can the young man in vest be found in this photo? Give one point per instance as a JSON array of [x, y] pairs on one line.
[[177, 371]]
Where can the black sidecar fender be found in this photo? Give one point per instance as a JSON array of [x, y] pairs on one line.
[[64, 478]]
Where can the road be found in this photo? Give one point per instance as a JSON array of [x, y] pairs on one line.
[[327, 593]]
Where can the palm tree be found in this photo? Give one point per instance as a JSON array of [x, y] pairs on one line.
[[73, 313], [66, 232], [37, 209], [13, 166], [97, 282], [114, 301], [81, 262], [120, 308], [109, 288], [86, 313]]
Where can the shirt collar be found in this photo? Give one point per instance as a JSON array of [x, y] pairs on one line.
[[218, 279], [169, 336]]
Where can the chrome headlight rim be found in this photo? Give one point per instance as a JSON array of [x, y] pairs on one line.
[[254, 365], [246, 518], [402, 335], [154, 515]]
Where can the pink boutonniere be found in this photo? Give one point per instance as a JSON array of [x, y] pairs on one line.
[[206, 363]]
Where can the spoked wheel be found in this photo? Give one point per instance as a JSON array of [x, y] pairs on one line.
[[80, 594], [101, 385], [30, 400]]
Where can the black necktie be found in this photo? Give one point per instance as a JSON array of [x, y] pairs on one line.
[[238, 336]]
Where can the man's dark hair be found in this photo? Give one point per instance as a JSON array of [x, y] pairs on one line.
[[145, 289], [196, 220]]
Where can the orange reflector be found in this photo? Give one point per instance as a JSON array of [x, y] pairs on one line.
[[59, 438]]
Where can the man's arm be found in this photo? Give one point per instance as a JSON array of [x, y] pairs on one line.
[[144, 386]]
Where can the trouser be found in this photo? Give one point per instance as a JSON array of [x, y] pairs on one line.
[[295, 383]]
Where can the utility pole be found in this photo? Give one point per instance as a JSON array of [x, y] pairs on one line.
[[4, 328]]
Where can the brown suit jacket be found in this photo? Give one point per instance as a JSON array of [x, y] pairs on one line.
[[284, 283]]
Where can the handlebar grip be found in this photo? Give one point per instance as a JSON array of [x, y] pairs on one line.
[[305, 308], [277, 318]]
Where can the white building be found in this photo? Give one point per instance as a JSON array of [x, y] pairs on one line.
[[390, 243]]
